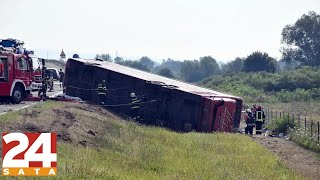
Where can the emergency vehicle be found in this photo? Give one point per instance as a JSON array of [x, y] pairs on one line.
[[16, 73]]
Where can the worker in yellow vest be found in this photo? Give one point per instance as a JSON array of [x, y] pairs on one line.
[[102, 91], [259, 119]]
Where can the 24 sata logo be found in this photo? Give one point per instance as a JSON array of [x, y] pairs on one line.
[[29, 154]]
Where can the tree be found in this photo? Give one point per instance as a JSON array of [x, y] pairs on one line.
[[208, 66], [104, 57], [190, 71], [147, 62], [166, 72], [234, 66], [195, 70], [173, 65], [302, 40], [259, 61], [135, 64], [118, 60]]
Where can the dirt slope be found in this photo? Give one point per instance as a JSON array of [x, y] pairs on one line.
[[71, 128], [300, 159]]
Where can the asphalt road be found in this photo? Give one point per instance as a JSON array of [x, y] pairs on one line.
[[7, 106]]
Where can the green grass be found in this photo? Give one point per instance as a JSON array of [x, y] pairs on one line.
[[304, 139], [160, 154], [125, 150]]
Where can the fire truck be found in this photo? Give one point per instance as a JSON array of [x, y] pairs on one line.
[[16, 75]]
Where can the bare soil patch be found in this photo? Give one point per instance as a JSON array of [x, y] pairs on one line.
[[79, 124], [300, 159]]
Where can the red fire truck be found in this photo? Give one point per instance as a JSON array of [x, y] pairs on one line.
[[16, 75]]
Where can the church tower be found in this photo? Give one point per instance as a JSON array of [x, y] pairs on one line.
[[62, 56]]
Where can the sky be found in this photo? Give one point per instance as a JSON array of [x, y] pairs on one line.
[[159, 29]]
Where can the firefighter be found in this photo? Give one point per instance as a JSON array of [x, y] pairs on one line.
[[102, 91], [259, 119], [61, 79], [254, 108], [51, 84], [135, 107], [249, 121]]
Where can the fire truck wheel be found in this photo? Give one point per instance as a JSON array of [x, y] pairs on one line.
[[16, 95]]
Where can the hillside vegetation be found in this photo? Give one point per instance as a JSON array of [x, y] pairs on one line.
[[93, 143], [302, 84]]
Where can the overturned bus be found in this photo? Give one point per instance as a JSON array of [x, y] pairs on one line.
[[164, 102]]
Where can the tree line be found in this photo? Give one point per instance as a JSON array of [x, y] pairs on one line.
[[301, 47]]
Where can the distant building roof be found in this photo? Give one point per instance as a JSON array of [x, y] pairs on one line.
[[62, 55]]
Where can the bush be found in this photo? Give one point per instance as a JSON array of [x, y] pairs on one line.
[[281, 125], [305, 139], [289, 86]]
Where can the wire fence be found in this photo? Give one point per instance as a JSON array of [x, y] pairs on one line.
[[310, 126]]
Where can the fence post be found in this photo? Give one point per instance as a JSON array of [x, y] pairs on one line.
[[280, 115], [288, 118], [305, 124], [293, 119], [311, 128], [318, 131], [271, 114], [268, 116], [299, 119]]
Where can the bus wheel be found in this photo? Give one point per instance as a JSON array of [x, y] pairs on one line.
[[16, 95], [187, 127]]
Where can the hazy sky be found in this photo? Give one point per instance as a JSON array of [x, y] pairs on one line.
[[179, 29]]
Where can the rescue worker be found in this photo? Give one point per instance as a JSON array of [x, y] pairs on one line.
[[51, 84], [61, 74], [102, 91], [259, 119], [249, 121], [135, 107], [254, 108]]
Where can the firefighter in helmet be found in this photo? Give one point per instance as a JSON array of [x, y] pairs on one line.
[[249, 121], [102, 91], [135, 107], [254, 108], [259, 119]]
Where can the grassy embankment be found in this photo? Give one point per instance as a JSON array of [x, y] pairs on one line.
[[126, 150]]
